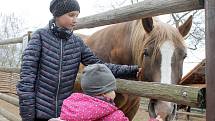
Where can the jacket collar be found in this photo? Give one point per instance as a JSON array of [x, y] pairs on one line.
[[62, 33]]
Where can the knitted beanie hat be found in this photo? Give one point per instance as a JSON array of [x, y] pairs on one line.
[[61, 7], [97, 79]]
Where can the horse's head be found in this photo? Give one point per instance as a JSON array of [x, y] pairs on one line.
[[163, 55]]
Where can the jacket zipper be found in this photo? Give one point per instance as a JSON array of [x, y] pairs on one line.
[[59, 78]]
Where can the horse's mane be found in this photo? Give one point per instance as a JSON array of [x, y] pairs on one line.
[[160, 33]]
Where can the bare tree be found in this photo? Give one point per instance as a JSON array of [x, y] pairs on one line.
[[10, 27], [134, 1], [197, 34], [112, 4]]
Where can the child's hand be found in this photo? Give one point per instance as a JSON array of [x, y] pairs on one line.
[[55, 119], [157, 119]]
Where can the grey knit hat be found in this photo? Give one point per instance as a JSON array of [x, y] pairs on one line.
[[97, 79], [61, 7]]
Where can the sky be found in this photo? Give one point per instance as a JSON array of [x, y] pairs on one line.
[[36, 14]]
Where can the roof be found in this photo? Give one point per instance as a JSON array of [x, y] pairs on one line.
[[195, 76]]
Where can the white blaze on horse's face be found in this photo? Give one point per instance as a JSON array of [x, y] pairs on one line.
[[167, 49]]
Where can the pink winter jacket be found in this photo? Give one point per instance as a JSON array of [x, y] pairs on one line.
[[81, 107]]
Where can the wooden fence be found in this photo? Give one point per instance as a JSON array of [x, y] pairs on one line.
[[152, 8]]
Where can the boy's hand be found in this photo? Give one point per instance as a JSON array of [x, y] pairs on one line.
[[140, 74]]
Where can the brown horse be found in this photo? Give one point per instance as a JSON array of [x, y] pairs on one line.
[[156, 47]]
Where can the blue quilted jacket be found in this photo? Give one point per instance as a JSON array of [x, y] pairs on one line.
[[48, 72]]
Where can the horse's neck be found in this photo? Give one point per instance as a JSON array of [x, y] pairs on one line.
[[137, 37]]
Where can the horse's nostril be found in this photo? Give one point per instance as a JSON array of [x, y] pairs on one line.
[[151, 108], [168, 118], [171, 117]]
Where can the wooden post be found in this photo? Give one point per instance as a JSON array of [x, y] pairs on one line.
[[210, 58], [26, 40]]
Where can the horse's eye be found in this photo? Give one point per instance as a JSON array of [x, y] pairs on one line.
[[185, 55], [145, 53]]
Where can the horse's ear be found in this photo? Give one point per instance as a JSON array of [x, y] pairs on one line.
[[185, 28], [148, 24]]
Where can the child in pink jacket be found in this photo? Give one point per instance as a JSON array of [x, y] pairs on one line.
[[97, 102]]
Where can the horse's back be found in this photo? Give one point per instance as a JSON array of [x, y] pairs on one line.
[[112, 44]]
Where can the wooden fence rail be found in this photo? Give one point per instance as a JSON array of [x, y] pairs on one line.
[[186, 95], [11, 41], [147, 8], [9, 70], [174, 93], [9, 99], [9, 115]]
